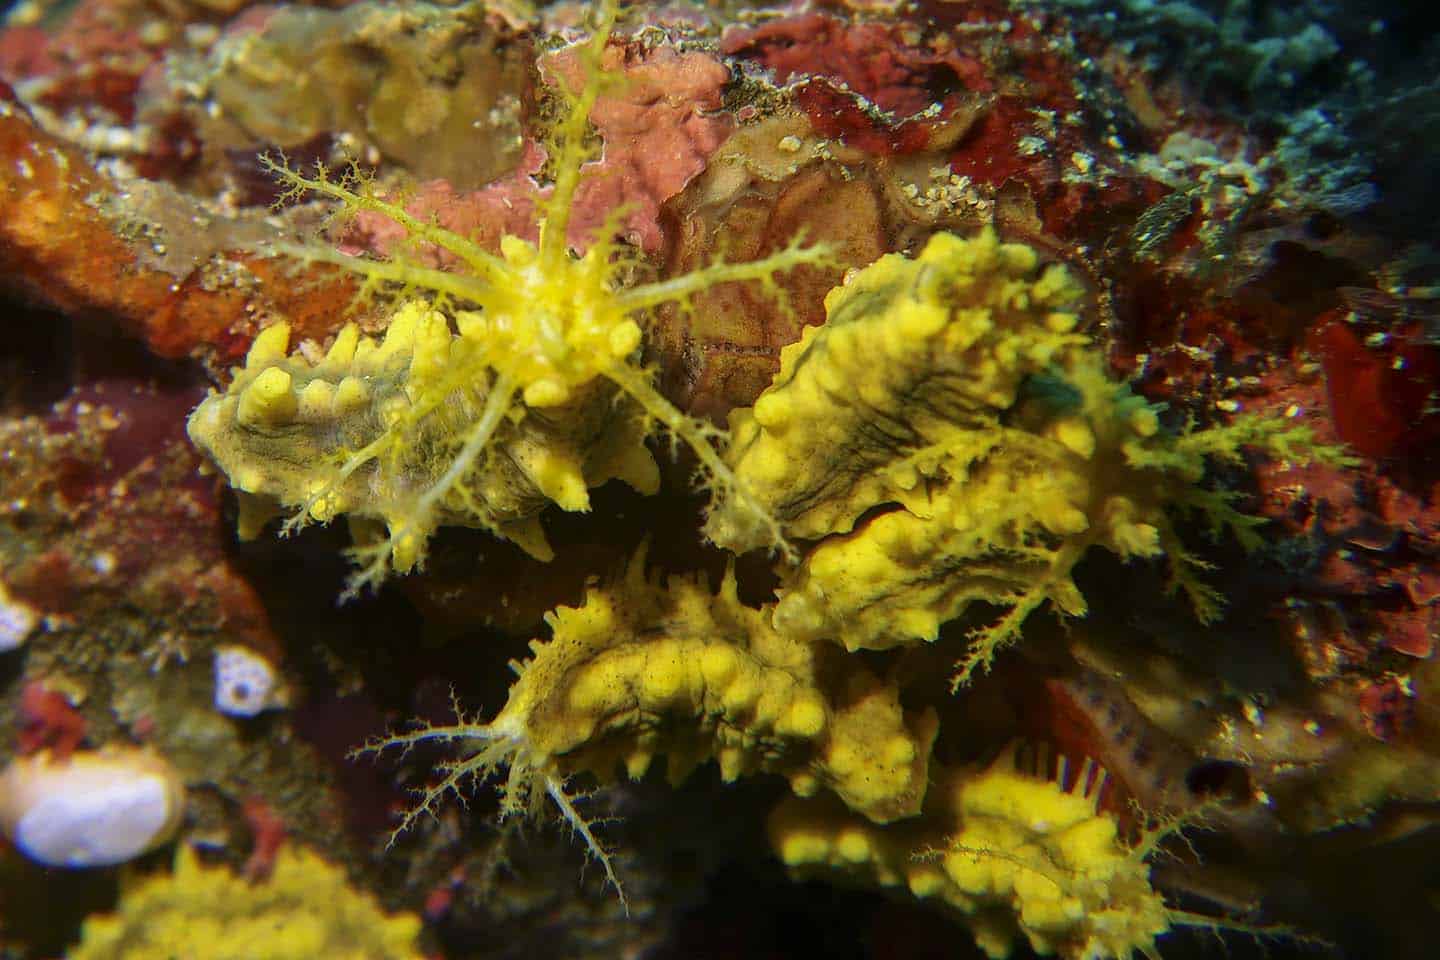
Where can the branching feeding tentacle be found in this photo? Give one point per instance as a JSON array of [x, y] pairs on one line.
[[484, 265], [685, 286], [389, 432], [528, 779], [698, 435], [400, 275]]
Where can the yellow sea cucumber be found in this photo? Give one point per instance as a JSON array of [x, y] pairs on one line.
[[949, 437], [645, 668], [372, 425], [522, 351], [1014, 852]]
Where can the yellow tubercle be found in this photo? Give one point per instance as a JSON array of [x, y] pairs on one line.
[[804, 717], [351, 395], [316, 402], [268, 400], [269, 346]]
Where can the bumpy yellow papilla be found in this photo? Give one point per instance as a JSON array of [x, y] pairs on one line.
[[305, 909], [369, 428], [1015, 854], [645, 668]]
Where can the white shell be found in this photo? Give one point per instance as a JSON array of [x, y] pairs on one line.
[[245, 682], [96, 809], [17, 620]]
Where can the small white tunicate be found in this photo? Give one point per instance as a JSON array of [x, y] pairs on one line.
[[245, 682], [95, 809], [17, 620]]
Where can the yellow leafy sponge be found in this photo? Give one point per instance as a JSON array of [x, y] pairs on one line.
[[305, 909]]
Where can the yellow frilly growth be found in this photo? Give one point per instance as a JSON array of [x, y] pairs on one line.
[[306, 909], [1015, 854], [953, 389]]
